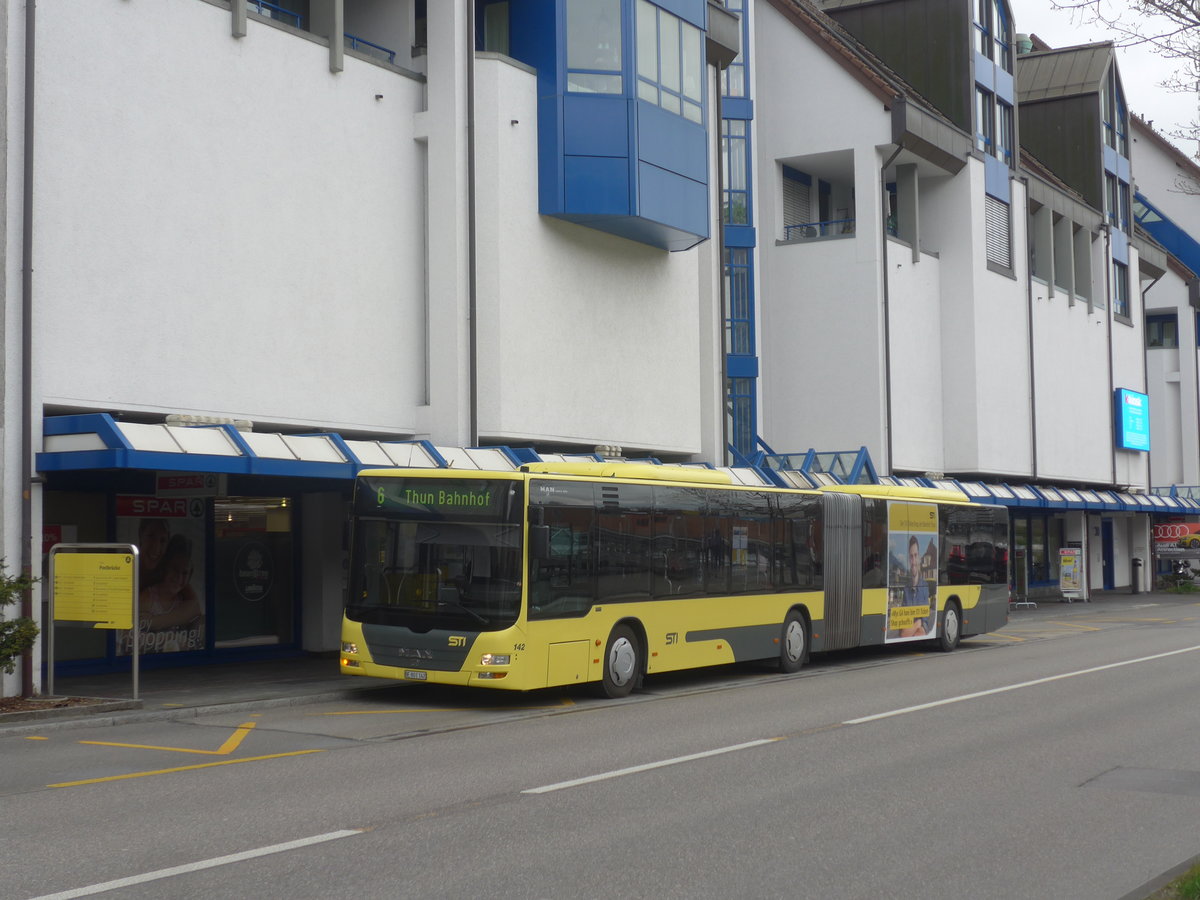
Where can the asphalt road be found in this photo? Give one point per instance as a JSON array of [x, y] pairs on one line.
[[1057, 764]]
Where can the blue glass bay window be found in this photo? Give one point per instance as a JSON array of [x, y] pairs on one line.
[[622, 93]]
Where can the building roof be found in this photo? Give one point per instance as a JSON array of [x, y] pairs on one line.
[[1064, 72]]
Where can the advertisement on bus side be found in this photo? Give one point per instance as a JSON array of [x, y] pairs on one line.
[[912, 571]]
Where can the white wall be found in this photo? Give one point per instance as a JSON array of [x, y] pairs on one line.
[[1172, 386], [222, 225], [984, 338], [915, 330], [1074, 406], [583, 337], [821, 334]]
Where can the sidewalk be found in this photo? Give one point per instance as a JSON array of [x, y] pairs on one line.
[[193, 691], [1108, 600]]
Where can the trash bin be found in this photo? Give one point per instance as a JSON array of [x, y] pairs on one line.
[[1135, 574]]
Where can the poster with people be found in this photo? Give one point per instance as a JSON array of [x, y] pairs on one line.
[[169, 534], [912, 571]]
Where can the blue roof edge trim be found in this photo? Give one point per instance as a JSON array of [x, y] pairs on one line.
[[102, 424]]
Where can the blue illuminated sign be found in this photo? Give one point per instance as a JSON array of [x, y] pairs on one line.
[[1132, 420]]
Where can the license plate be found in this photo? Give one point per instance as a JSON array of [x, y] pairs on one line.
[[415, 676]]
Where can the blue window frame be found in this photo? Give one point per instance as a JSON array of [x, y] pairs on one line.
[[735, 157], [670, 62], [993, 32], [740, 324], [594, 49]]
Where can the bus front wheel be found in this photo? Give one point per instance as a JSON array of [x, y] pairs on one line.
[[622, 663], [948, 637], [793, 643]]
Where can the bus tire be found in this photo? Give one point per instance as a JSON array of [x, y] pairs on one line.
[[793, 643], [622, 663], [951, 631]]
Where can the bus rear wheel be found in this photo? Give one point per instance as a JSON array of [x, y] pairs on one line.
[[793, 643], [622, 663], [948, 637]]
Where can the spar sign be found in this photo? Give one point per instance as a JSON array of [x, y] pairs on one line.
[[1177, 539]]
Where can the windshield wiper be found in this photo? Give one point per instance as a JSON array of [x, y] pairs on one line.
[[446, 591]]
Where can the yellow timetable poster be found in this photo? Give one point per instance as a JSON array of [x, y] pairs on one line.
[[94, 587]]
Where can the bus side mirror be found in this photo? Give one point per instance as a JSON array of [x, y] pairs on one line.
[[539, 542]]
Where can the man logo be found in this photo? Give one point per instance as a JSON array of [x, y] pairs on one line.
[[457, 640]]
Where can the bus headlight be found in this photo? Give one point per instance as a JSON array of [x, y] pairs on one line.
[[495, 659], [349, 647]]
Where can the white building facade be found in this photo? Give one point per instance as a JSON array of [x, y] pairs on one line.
[[358, 232]]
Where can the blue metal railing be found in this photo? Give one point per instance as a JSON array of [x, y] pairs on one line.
[[357, 43], [808, 230], [272, 11]]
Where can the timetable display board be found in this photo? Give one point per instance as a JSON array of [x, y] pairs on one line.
[[95, 588]]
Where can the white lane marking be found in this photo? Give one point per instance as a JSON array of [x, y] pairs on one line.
[[545, 789], [197, 866], [1015, 687]]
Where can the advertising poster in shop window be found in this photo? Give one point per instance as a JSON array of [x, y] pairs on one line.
[[169, 534]]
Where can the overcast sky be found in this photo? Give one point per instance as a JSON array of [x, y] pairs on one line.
[[1141, 70]]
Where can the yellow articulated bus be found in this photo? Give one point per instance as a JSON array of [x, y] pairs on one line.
[[603, 573]]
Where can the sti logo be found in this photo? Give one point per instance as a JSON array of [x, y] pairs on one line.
[[457, 640]]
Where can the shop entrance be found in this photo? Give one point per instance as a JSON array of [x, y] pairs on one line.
[[253, 594]]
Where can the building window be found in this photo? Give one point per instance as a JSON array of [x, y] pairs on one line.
[[735, 206], [670, 63], [993, 32], [985, 121], [998, 232], [733, 78], [1162, 332], [797, 203], [1004, 133], [1120, 273], [1115, 114], [594, 46], [1116, 202], [495, 27], [740, 325]]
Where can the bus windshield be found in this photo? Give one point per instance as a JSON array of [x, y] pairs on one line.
[[437, 554]]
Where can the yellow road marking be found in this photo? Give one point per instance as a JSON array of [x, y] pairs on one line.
[[225, 749], [394, 712], [1005, 637], [30, 738], [224, 762], [1074, 625]]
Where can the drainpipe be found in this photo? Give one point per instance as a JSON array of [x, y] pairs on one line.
[[1146, 370], [723, 389], [1108, 299], [27, 423], [887, 310], [472, 329]]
